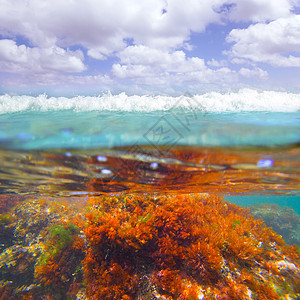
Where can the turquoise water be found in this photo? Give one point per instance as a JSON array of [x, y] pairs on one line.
[[246, 117], [260, 129], [292, 201], [85, 130]]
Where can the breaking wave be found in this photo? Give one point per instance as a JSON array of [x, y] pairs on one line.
[[243, 100]]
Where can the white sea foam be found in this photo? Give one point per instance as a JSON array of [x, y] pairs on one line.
[[244, 100]]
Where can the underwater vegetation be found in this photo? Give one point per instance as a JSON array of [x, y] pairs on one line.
[[283, 220], [59, 267], [43, 260], [184, 247], [143, 247]]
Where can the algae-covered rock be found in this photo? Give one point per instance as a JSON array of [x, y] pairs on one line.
[[184, 247], [32, 217], [142, 247], [34, 232], [17, 265], [6, 231]]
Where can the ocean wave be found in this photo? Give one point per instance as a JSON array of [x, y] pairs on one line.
[[243, 100]]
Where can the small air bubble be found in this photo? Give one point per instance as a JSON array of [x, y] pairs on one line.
[[106, 171], [101, 158], [66, 131], [265, 163], [25, 136], [154, 165]]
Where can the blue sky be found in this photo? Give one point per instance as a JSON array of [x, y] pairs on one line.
[[148, 46]]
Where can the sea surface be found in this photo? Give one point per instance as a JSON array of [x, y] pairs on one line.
[[244, 146], [87, 137]]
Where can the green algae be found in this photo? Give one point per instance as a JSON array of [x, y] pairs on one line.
[[60, 239]]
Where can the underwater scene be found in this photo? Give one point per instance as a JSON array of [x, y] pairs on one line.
[[150, 197]]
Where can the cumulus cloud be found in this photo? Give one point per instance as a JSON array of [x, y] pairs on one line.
[[14, 58], [149, 37], [254, 73], [170, 61], [216, 63], [271, 43], [142, 62], [103, 29], [51, 79], [256, 10], [151, 66]]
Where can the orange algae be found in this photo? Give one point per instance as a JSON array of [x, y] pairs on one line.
[[183, 247], [141, 246]]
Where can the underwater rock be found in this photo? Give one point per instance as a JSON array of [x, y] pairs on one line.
[[184, 247], [17, 265], [287, 267], [145, 247], [283, 220], [7, 202], [6, 231], [32, 217], [40, 231]]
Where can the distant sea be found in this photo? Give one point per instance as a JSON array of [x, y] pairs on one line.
[[247, 117]]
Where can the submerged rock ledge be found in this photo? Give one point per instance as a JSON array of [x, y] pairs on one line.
[[142, 246]]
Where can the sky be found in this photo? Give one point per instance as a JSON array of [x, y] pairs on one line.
[[148, 46]]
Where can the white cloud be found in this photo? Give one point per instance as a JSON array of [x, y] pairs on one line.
[[157, 29], [96, 54], [104, 28], [256, 73], [138, 65], [257, 10], [169, 61], [271, 43], [142, 61], [51, 79], [216, 63], [14, 58], [144, 65]]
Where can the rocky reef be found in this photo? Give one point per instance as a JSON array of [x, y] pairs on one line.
[[142, 247], [184, 247], [283, 220], [43, 258]]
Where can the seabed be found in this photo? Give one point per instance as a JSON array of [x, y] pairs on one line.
[[152, 228]]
